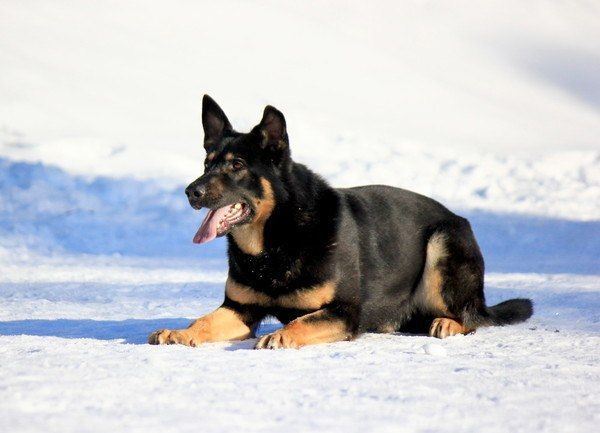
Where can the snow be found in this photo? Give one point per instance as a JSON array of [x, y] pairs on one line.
[[502, 109], [480, 106], [434, 349], [73, 351]]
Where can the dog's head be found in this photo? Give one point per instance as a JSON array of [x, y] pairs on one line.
[[236, 185]]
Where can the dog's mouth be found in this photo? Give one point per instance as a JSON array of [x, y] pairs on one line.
[[219, 222]]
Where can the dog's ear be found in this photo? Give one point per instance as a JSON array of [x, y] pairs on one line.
[[272, 129], [214, 121]]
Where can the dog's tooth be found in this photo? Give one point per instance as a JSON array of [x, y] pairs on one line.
[[238, 205], [234, 214]]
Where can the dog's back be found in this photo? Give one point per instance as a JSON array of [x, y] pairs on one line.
[[390, 227]]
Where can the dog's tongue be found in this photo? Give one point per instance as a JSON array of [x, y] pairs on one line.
[[208, 230]]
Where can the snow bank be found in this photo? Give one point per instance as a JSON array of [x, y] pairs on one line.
[[479, 106], [46, 210]]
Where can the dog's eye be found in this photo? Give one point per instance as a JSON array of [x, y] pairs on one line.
[[237, 164]]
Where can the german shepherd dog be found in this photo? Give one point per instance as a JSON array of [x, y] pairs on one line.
[[328, 263]]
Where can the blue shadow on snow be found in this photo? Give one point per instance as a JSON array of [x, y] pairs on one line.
[[132, 331]]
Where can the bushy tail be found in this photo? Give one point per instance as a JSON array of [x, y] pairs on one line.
[[511, 311]]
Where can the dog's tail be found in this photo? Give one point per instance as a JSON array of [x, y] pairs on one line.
[[505, 313]]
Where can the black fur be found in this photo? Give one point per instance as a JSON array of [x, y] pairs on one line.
[[370, 240], [511, 311]]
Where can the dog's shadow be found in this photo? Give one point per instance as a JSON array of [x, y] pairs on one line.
[[132, 331]]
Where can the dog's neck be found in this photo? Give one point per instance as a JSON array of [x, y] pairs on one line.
[[249, 238], [287, 212]]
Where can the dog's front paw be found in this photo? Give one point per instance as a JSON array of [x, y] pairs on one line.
[[277, 340], [167, 336]]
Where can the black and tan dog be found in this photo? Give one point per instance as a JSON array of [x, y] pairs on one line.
[[328, 263]]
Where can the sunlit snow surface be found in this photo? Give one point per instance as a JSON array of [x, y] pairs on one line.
[[91, 267], [73, 354], [481, 106]]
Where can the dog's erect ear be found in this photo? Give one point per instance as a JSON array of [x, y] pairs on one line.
[[214, 121], [273, 130]]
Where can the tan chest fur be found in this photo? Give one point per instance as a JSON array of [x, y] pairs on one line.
[[310, 298]]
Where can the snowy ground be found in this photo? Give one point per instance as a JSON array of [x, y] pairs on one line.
[[493, 113], [73, 351]]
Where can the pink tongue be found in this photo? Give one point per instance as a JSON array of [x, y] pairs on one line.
[[208, 230]]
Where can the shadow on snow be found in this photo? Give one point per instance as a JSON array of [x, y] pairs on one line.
[[576, 310], [132, 331]]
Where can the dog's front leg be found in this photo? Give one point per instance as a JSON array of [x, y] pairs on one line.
[[322, 326], [223, 324]]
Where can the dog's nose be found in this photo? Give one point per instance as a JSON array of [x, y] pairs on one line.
[[195, 192]]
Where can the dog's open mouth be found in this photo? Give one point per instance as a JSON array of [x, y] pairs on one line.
[[219, 221]]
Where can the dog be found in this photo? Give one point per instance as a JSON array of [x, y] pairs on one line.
[[328, 263]]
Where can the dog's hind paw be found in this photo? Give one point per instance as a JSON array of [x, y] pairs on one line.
[[443, 327]]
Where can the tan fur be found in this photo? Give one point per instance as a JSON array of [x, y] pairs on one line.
[[443, 327], [250, 237], [308, 299], [429, 292], [210, 156], [304, 331], [311, 298], [229, 156], [245, 295], [222, 324]]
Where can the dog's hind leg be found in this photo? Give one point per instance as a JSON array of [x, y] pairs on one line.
[[452, 285], [431, 295], [452, 282]]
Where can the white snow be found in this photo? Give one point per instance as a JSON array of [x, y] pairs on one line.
[[434, 349], [493, 108], [73, 359], [501, 109]]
